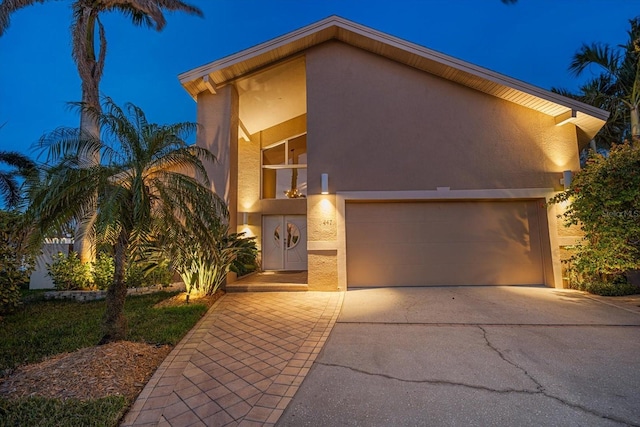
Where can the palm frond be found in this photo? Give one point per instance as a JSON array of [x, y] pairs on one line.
[[9, 188], [8, 7], [147, 175], [601, 55], [149, 13], [616, 88], [21, 167], [16, 160]]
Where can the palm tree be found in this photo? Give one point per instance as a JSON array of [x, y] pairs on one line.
[[9, 186], [148, 180], [617, 87], [89, 54]]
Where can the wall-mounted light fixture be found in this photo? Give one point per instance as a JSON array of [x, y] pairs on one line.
[[324, 183], [567, 176], [245, 218]]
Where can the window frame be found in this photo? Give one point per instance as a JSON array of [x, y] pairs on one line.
[[287, 165]]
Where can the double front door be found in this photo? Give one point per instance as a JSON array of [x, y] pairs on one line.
[[284, 242]]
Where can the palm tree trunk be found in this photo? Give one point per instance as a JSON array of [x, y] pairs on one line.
[[89, 126], [635, 124], [115, 323], [90, 71]]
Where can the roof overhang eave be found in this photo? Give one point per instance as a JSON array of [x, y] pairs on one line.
[[218, 73]]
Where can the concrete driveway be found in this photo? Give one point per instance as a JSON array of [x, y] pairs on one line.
[[475, 356]]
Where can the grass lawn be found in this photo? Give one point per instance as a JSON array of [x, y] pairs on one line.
[[38, 411], [40, 328]]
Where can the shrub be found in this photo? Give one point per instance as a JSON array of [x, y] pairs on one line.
[[16, 261], [69, 273], [604, 199], [160, 274], [103, 270], [138, 274], [9, 293], [148, 273], [617, 285], [611, 289], [134, 276]]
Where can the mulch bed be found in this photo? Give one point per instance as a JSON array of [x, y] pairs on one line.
[[118, 368]]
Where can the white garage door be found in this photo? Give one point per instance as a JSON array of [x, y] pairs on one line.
[[444, 243]]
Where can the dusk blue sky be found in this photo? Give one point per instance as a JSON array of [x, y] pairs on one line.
[[532, 40]]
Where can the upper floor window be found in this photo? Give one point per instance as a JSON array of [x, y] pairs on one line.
[[284, 169]]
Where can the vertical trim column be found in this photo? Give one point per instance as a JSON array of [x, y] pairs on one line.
[[218, 132]]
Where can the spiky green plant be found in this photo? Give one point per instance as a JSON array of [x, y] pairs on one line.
[[204, 268]]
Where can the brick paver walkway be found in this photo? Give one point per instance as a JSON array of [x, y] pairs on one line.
[[242, 364]]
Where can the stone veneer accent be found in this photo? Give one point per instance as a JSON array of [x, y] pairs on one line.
[[101, 294]]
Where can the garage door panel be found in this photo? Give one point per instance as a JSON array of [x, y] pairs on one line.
[[443, 231], [437, 252], [481, 225], [440, 275], [446, 243]]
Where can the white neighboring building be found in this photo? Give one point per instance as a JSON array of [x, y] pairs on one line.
[[40, 278]]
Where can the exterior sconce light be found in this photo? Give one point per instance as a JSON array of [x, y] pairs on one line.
[[566, 179], [245, 218], [324, 183]]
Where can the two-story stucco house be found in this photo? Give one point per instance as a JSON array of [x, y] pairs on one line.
[[371, 161]]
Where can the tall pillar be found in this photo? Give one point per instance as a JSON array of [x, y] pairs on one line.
[[218, 132]]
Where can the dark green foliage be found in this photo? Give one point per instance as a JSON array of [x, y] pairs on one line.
[[103, 269], [604, 199], [69, 273], [9, 294], [204, 267], [135, 276], [16, 261], [612, 289], [246, 260], [160, 274], [148, 273], [19, 167], [38, 411]]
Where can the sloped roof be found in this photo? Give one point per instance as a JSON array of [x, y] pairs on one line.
[[217, 73]]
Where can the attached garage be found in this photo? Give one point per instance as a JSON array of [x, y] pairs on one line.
[[434, 243]]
